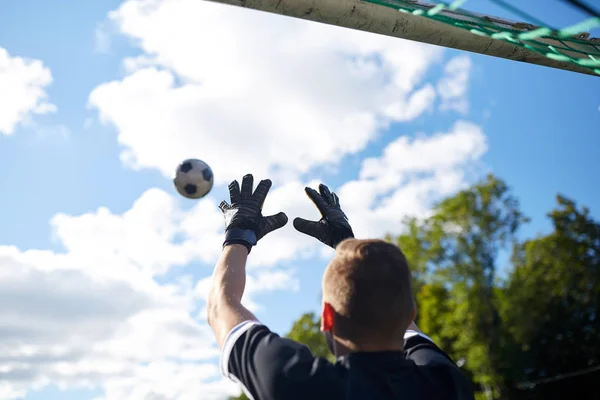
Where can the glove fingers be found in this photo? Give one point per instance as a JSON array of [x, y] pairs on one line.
[[336, 199], [310, 228], [274, 222], [317, 199], [324, 190], [247, 185], [224, 206], [260, 194], [234, 192]]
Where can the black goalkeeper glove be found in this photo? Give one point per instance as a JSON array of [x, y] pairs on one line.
[[244, 222], [333, 227]]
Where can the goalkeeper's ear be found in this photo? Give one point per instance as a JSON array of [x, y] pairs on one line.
[[327, 318]]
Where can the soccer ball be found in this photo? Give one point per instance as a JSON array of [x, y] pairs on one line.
[[193, 179]]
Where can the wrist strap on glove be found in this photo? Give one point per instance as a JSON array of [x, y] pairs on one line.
[[246, 237]]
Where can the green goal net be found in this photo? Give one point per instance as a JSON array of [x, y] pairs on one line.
[[570, 44]]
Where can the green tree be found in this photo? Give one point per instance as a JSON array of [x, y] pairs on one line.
[[553, 297], [416, 247], [435, 301], [240, 397], [454, 254]]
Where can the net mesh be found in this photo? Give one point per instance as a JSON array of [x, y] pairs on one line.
[[571, 44]]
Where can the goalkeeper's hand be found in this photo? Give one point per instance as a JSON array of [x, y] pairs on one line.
[[333, 227], [244, 222]]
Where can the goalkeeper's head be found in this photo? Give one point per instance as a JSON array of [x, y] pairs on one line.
[[367, 297]]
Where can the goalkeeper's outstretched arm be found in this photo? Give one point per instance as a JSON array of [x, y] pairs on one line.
[[224, 303], [244, 227]]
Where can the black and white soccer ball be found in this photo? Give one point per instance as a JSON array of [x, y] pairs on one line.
[[193, 179]]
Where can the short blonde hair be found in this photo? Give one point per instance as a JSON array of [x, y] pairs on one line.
[[368, 285]]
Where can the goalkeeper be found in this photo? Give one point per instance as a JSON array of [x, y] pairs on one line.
[[367, 316]]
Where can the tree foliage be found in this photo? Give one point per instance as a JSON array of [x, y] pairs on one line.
[[552, 298], [454, 254]]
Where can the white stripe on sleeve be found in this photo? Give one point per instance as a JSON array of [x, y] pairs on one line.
[[230, 340], [410, 333]]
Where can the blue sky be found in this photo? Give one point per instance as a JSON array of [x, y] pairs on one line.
[[535, 127]]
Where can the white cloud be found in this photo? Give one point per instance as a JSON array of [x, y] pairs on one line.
[[145, 236], [299, 94], [95, 314], [23, 85], [465, 142], [409, 176], [452, 88], [165, 381]]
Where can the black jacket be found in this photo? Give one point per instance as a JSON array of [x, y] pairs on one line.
[[273, 368]]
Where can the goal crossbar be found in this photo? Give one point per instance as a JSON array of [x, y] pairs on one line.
[[375, 18]]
